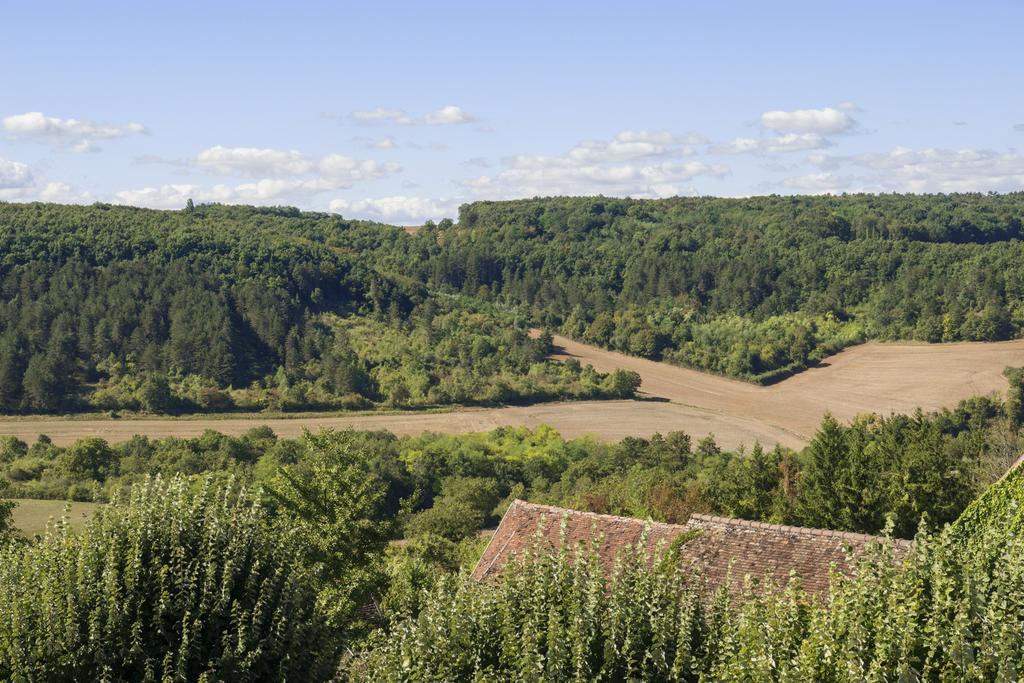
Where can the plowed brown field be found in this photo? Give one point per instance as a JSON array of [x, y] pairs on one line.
[[872, 377]]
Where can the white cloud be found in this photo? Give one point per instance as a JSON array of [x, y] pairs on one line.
[[381, 115], [19, 184], [386, 142], [174, 195], [335, 170], [449, 115], [263, 191], [74, 134], [398, 209], [339, 167], [826, 120], [14, 175], [533, 176], [630, 144], [820, 183], [253, 161], [944, 170], [790, 142], [824, 161], [904, 169], [634, 163]]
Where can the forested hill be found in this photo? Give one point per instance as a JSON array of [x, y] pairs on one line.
[[755, 288], [105, 307], [229, 307]]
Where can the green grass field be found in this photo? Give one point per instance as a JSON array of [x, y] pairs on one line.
[[31, 516]]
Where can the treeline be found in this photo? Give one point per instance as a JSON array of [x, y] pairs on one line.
[[851, 477], [232, 308], [756, 288]]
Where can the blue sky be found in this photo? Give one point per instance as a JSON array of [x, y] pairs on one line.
[[402, 111]]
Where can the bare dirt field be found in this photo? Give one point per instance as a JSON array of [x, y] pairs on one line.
[[873, 377]]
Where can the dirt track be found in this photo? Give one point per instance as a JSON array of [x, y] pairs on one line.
[[872, 377]]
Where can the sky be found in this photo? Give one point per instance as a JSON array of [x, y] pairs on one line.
[[400, 112]]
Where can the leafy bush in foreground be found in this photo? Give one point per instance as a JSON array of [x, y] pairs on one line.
[[949, 610], [173, 585]]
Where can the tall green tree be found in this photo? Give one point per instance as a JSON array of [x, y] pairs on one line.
[[822, 501], [333, 502]]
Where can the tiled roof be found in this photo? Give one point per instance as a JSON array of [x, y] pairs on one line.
[[750, 548]]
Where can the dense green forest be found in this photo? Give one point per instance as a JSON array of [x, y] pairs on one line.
[[295, 538], [219, 308], [755, 288]]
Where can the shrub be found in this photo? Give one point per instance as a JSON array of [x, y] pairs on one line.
[[172, 585], [950, 609]]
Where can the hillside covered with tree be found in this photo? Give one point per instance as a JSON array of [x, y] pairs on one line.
[[755, 288], [217, 308]]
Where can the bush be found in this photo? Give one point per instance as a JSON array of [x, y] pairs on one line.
[[449, 518], [173, 585], [949, 610]]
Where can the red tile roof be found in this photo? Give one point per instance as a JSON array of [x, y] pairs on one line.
[[750, 548]]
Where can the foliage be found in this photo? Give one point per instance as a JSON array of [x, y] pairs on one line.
[[851, 477], [177, 583], [332, 501], [908, 467], [7, 529], [238, 308], [242, 308], [755, 288], [946, 609]]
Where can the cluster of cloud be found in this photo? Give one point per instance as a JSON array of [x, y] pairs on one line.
[[19, 184], [638, 163], [445, 116], [914, 170], [790, 142], [267, 190], [255, 162], [14, 175], [73, 134], [634, 163], [824, 121], [386, 142], [799, 130], [278, 175], [397, 209]]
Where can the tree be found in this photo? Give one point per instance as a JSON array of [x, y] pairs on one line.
[[88, 458], [155, 394], [174, 584], [45, 382], [1015, 396], [7, 529], [820, 503], [333, 502], [621, 383]]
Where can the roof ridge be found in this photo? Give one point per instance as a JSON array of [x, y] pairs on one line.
[[799, 530], [553, 509]]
